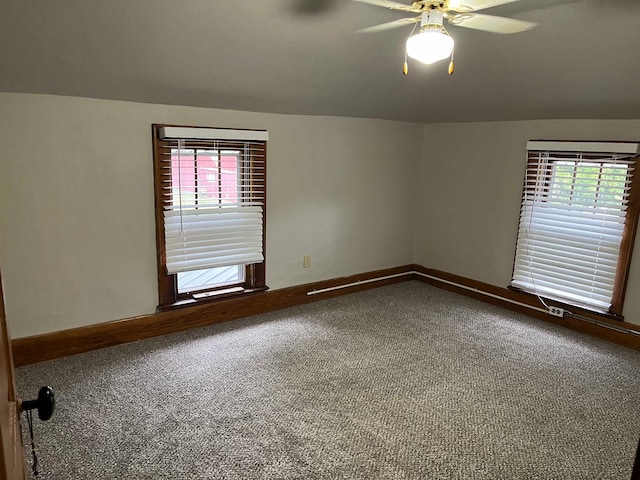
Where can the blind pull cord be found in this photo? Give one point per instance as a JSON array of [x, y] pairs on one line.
[[180, 145]]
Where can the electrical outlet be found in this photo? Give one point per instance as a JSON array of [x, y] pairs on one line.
[[556, 311], [306, 261]]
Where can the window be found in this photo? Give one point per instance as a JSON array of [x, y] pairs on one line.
[[210, 189], [577, 223]]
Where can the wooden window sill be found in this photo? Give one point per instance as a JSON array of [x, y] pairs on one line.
[[213, 297]]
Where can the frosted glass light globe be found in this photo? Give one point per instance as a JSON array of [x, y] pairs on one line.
[[429, 46]]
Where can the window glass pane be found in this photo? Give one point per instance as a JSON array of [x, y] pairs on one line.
[[209, 278], [589, 184], [204, 178], [613, 184], [229, 161], [562, 188], [183, 178], [208, 173]]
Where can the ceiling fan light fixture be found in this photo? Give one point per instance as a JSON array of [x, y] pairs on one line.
[[430, 45]]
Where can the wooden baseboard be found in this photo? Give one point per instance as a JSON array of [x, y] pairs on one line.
[[480, 289], [83, 339], [53, 345]]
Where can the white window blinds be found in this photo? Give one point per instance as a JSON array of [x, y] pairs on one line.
[[213, 197], [572, 221]]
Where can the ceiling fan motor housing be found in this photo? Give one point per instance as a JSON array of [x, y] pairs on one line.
[[431, 17]]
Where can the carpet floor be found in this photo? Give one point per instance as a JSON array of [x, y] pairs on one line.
[[400, 382]]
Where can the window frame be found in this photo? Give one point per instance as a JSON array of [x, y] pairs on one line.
[[626, 245], [168, 296]]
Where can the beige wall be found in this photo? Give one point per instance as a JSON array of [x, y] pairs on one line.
[[77, 242], [470, 188], [76, 200]]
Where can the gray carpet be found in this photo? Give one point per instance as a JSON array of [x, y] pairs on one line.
[[401, 382]]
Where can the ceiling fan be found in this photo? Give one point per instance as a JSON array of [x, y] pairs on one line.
[[433, 43]]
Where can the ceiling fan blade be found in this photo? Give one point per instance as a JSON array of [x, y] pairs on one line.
[[389, 4], [474, 5], [490, 23], [389, 25]]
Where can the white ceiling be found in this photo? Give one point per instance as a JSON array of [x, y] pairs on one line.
[[582, 60]]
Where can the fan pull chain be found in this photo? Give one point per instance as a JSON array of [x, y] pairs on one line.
[[405, 67], [34, 466], [451, 64]]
